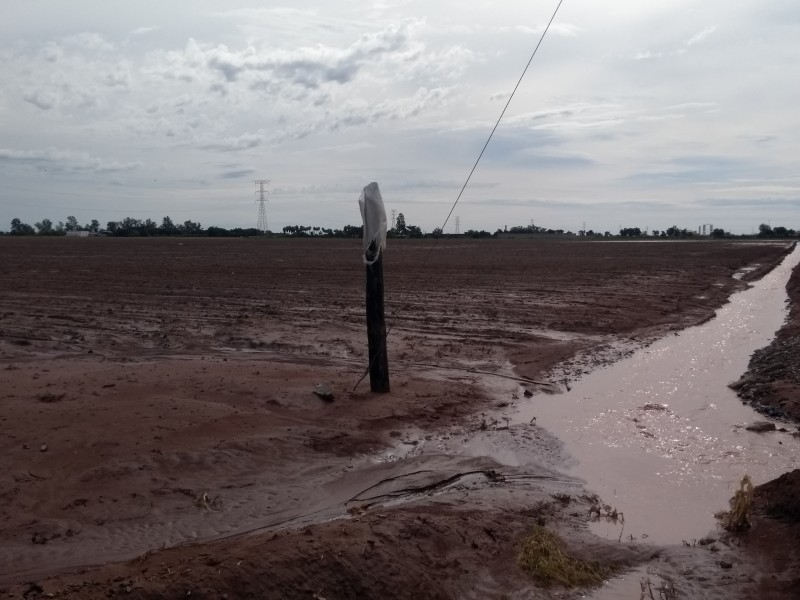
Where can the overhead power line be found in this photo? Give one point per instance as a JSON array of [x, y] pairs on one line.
[[410, 288]]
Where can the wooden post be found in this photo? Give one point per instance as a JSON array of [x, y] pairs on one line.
[[376, 325], [374, 215]]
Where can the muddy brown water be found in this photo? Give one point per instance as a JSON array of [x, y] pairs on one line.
[[660, 436]]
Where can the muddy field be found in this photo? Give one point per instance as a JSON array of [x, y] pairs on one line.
[[157, 393]]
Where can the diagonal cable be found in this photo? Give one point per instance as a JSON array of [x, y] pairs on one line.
[[411, 288]]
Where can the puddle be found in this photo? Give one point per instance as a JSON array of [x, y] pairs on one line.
[[639, 583], [659, 435]]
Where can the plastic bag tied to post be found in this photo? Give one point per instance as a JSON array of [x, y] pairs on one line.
[[374, 216]]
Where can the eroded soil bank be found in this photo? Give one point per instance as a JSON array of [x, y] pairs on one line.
[[155, 393], [772, 382]]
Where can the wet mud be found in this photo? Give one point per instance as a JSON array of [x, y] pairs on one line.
[[161, 436]]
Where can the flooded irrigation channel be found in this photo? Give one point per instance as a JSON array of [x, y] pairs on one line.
[[660, 436]]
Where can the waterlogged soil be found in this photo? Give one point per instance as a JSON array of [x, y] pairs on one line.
[[160, 435]]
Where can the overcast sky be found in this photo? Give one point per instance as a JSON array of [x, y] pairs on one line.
[[635, 113]]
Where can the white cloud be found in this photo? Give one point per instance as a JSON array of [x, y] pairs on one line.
[[701, 36], [144, 30], [565, 29]]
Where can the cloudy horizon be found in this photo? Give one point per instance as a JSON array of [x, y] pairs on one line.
[[633, 114]]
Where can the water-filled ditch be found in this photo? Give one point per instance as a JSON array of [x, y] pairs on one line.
[[660, 436]]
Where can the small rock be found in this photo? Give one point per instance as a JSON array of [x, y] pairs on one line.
[[737, 385], [761, 426], [725, 564], [324, 392], [43, 448], [527, 393], [706, 541]]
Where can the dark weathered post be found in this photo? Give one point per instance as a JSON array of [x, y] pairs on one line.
[[374, 216]]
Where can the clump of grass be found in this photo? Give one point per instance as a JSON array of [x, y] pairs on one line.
[[49, 397], [204, 501], [666, 591], [738, 517], [564, 499], [541, 554], [607, 512]]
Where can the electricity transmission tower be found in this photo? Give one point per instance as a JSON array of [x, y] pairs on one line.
[[458, 225], [262, 209]]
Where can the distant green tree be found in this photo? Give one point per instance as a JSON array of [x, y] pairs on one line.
[[45, 227], [764, 230], [148, 228], [20, 228], [630, 232], [167, 227], [400, 226], [191, 228], [72, 224], [414, 231], [355, 231]]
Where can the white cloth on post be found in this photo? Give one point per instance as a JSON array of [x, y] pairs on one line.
[[374, 216]]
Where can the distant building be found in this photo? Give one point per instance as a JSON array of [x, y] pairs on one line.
[[78, 233]]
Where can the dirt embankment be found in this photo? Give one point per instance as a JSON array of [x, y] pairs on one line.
[[771, 543], [772, 382], [771, 385], [155, 393]]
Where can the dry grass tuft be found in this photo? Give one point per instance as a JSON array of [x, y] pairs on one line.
[[50, 397], [666, 591], [205, 502], [738, 517], [542, 555]]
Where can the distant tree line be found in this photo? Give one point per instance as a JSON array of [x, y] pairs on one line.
[[348, 231], [130, 227], [765, 230], [533, 229]]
